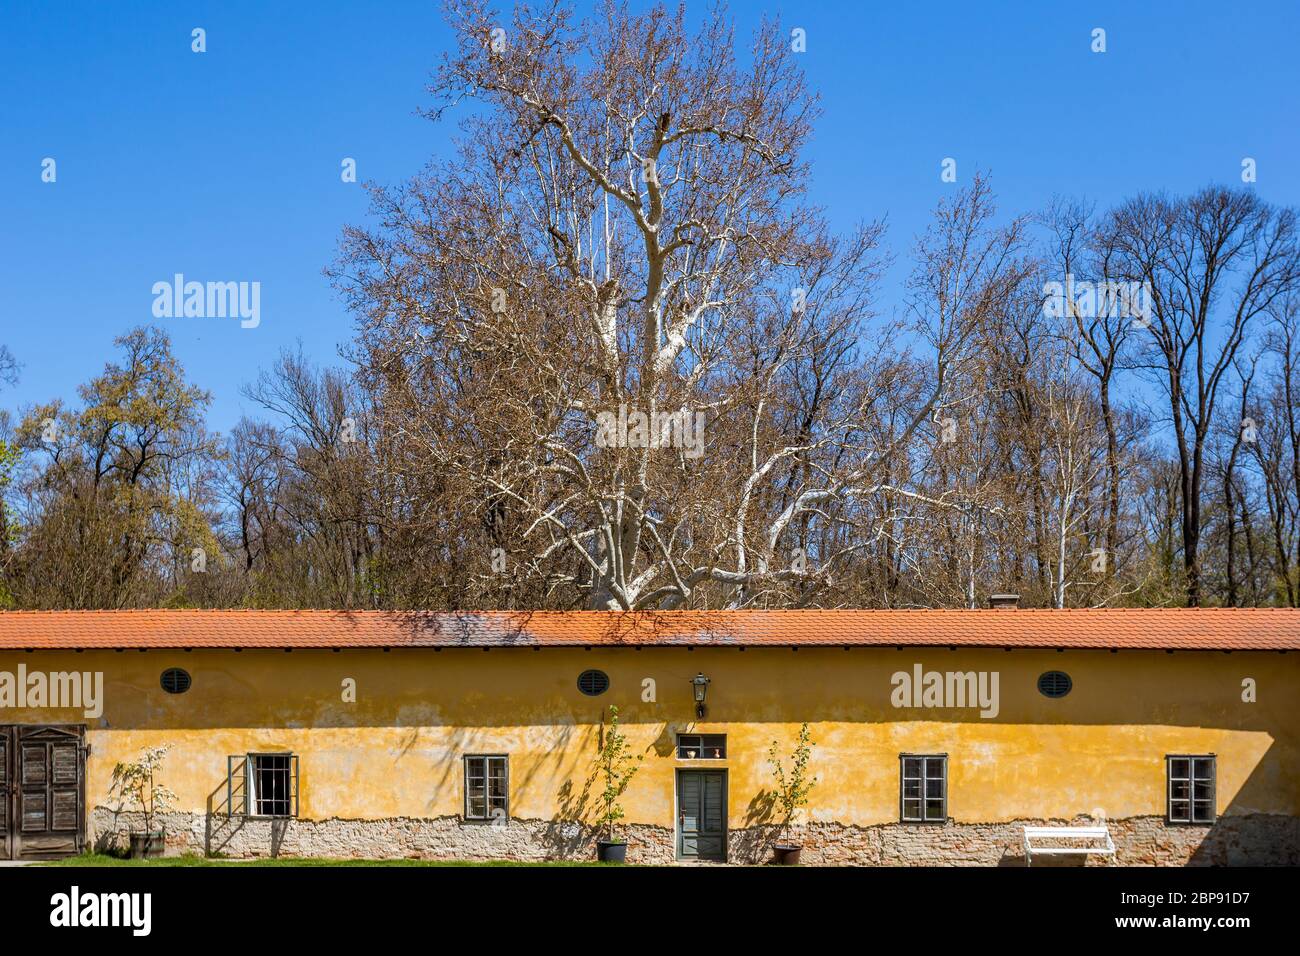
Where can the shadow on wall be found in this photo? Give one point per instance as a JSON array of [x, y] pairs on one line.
[[568, 836], [1244, 835], [110, 841], [1257, 839], [761, 831], [220, 825], [265, 688]]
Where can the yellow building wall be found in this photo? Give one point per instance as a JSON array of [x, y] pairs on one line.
[[397, 751]]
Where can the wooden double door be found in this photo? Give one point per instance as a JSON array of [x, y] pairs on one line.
[[42, 791]]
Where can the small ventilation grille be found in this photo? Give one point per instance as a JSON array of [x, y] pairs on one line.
[[175, 681], [1055, 684], [593, 683]]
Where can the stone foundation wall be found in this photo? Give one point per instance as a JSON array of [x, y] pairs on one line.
[[436, 838], [1257, 839]]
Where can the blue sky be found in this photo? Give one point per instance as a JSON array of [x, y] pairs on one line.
[[225, 165]]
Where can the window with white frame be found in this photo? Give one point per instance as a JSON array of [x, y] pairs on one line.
[[1191, 784], [923, 790], [487, 787]]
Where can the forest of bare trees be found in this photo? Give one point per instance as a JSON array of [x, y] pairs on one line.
[[1086, 404]]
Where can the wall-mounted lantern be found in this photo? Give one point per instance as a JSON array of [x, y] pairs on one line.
[[699, 684]]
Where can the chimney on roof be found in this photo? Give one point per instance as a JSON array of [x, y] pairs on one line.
[[1004, 602]]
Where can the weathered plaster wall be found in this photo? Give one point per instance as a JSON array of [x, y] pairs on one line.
[[1255, 839], [394, 756]]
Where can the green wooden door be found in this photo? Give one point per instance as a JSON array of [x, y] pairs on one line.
[[702, 814]]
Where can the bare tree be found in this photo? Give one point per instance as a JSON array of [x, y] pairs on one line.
[[1213, 263], [8, 366], [628, 239]]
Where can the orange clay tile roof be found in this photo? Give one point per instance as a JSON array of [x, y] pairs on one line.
[[1272, 629]]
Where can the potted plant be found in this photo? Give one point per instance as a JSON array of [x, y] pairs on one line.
[[134, 784], [617, 766], [792, 791]]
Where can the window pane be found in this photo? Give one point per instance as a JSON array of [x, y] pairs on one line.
[[475, 800], [911, 809], [934, 809], [1191, 789], [934, 766], [911, 766], [475, 787], [701, 746], [272, 784], [911, 788], [933, 787]]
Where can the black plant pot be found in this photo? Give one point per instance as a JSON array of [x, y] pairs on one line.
[[608, 851], [147, 845], [784, 854]]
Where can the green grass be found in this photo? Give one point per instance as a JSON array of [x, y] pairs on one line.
[[103, 859]]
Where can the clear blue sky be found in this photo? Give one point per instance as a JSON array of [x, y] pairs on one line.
[[225, 165]]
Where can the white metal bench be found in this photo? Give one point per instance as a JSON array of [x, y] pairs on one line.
[[1032, 834]]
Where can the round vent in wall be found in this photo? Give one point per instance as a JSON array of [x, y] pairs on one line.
[[1054, 684], [175, 681], [593, 683]]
